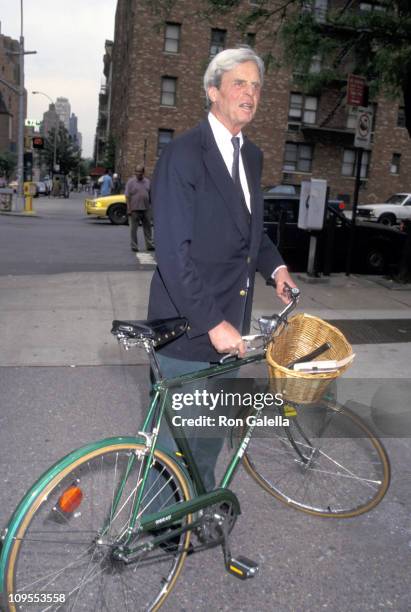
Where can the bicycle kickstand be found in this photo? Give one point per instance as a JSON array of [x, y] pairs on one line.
[[240, 567]]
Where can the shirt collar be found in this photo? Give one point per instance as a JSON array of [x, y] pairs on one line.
[[221, 134]]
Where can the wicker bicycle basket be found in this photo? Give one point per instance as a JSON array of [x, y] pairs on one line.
[[303, 334]]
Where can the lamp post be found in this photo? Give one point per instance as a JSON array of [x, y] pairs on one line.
[[20, 91], [55, 128]]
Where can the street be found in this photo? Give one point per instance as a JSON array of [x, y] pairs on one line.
[[64, 382], [63, 239]]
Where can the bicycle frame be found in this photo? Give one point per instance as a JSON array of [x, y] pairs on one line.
[[160, 407]]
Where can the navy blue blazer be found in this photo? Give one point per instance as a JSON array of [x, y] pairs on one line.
[[207, 246]]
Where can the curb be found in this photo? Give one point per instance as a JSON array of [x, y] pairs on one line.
[[392, 285], [9, 213]]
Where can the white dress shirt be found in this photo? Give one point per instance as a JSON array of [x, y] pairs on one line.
[[223, 138]]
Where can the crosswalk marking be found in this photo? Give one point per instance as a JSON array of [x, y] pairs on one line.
[[145, 260]]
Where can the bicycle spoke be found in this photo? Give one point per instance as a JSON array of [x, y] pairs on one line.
[[76, 553], [337, 474]]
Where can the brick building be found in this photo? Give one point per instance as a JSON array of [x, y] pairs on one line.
[[9, 99], [156, 93], [104, 104]]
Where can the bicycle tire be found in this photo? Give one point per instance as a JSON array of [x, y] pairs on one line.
[[63, 553], [348, 475]]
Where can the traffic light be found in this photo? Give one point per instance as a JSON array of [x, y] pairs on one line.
[[28, 166], [38, 142]]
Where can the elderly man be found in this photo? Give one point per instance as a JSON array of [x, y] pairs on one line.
[[138, 204], [208, 218]]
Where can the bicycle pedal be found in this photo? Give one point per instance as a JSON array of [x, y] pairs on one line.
[[242, 567]]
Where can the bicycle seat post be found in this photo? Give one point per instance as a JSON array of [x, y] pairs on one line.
[[155, 366]]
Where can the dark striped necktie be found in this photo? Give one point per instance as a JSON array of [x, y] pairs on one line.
[[235, 173]]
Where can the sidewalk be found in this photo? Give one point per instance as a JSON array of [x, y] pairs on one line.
[[65, 319]]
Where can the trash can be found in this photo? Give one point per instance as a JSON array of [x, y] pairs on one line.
[[6, 199]]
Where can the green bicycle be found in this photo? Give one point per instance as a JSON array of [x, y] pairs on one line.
[[110, 525]]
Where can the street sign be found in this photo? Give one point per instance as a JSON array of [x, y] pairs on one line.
[[355, 90], [364, 128], [32, 123]]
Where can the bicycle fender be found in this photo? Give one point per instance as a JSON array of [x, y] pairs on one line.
[[14, 523]]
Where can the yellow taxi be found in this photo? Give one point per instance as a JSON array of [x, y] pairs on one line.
[[112, 206]]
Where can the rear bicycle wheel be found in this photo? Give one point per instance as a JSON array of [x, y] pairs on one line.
[[327, 462], [59, 551]]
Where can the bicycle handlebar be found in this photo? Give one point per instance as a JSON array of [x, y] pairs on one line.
[[269, 324]]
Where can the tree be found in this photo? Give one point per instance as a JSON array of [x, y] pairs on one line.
[[8, 162], [110, 153], [374, 42], [84, 169], [67, 151]]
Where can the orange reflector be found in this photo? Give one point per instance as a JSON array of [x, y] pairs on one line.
[[70, 499]]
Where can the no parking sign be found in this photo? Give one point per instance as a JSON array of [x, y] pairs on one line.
[[363, 128]]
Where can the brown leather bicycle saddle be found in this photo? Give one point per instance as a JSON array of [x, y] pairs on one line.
[[160, 331]]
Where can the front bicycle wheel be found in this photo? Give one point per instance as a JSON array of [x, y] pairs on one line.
[[327, 462], [63, 549]]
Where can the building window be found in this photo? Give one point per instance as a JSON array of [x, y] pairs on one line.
[[316, 64], [401, 116], [320, 10], [250, 39], [303, 109], [395, 163], [172, 38], [317, 7], [168, 91], [164, 137], [372, 6], [298, 157], [217, 43], [352, 118], [349, 164]]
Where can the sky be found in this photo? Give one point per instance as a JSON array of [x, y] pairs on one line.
[[69, 37]]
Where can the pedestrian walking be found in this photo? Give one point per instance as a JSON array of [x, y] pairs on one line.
[[106, 184], [116, 184], [138, 208]]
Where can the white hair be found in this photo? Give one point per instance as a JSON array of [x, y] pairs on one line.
[[227, 60]]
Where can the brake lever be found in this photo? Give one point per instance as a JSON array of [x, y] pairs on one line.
[[249, 348]]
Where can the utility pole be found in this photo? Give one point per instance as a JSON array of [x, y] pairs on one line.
[[362, 141], [20, 92], [20, 138]]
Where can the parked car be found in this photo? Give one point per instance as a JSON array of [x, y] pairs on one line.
[[112, 206], [377, 247], [391, 212], [283, 189], [41, 189]]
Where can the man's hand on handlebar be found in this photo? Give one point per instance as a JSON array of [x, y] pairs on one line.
[[226, 339], [283, 281]]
